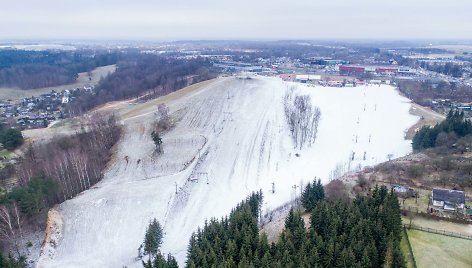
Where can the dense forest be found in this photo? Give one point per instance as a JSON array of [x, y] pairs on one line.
[[447, 132], [36, 69], [363, 233], [144, 76]]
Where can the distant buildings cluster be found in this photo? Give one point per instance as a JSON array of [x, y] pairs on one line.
[[332, 80], [38, 112], [377, 69]]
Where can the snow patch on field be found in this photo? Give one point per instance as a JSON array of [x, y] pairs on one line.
[[231, 139]]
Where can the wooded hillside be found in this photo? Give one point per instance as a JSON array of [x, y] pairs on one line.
[[145, 76], [364, 233], [37, 69]]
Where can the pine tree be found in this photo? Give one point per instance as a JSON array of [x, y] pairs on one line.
[[365, 261], [153, 239], [358, 234], [389, 254], [312, 194]]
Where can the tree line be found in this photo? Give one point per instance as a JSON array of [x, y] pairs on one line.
[[54, 171], [363, 233], [36, 69], [426, 91], [75, 162], [448, 68], [144, 76], [455, 126]]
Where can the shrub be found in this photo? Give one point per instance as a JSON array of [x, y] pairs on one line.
[[415, 171]]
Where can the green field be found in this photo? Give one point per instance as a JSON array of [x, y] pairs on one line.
[[433, 250], [406, 252]]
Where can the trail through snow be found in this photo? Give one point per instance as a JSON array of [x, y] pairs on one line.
[[231, 138]]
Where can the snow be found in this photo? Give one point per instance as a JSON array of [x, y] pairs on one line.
[[231, 138]]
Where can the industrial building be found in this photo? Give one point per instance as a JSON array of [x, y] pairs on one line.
[[376, 69]]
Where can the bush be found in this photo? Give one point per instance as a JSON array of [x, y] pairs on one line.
[[10, 262], [336, 191], [362, 181], [415, 171], [11, 138]]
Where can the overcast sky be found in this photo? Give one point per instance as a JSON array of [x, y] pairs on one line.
[[237, 19]]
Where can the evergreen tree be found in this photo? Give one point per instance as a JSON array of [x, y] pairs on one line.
[[455, 122], [363, 233], [313, 193], [153, 239]]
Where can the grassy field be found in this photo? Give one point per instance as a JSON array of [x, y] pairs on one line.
[[433, 250], [465, 229], [82, 80], [406, 252]]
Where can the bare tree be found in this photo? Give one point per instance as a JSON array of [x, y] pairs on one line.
[[302, 118], [336, 191], [76, 162], [164, 121], [10, 225]]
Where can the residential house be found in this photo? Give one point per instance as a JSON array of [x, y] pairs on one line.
[[403, 191], [448, 199]]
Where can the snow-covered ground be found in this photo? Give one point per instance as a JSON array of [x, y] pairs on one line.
[[231, 138]]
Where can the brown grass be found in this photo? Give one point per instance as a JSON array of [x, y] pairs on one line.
[[150, 106]]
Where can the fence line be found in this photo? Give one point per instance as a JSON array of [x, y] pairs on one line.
[[410, 249], [435, 231]]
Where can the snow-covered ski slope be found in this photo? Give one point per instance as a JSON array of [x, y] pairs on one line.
[[231, 138]]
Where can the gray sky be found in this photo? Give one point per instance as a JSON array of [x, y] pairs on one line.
[[237, 19]]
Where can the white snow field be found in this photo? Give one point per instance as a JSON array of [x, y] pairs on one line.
[[231, 138]]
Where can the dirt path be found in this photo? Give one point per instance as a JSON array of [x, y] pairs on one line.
[[427, 116]]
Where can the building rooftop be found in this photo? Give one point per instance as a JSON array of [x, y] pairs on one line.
[[446, 195]]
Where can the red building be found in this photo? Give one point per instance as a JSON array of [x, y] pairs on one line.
[[345, 68]]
